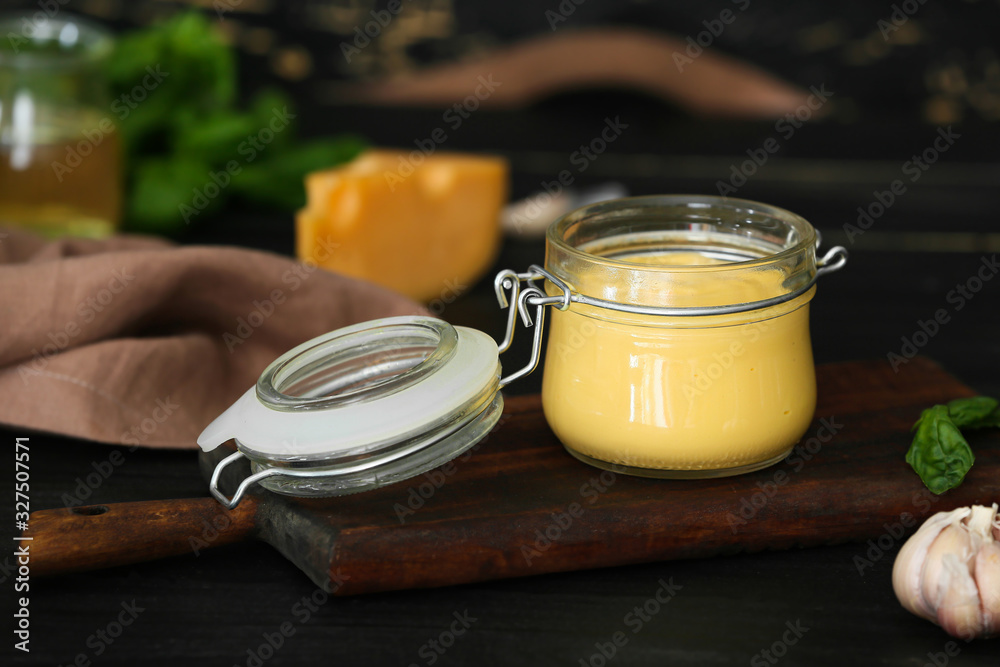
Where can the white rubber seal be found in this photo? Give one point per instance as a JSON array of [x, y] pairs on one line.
[[362, 426]]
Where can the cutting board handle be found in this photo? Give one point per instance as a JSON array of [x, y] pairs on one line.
[[75, 539]]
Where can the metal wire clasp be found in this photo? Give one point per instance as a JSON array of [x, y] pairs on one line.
[[230, 503], [834, 259], [507, 286]]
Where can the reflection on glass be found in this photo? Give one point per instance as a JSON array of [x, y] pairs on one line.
[[60, 154]]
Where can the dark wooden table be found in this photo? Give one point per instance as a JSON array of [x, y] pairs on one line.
[[246, 605]]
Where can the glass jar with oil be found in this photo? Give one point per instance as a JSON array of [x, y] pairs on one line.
[[60, 153]]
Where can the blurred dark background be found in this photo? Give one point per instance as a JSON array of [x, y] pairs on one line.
[[891, 86], [898, 72], [895, 86], [940, 65]]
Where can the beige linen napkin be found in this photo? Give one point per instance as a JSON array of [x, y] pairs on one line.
[[135, 341]]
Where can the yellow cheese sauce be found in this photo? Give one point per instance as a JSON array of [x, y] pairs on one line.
[[717, 394], [674, 259]]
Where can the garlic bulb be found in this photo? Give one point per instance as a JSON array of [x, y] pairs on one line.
[[949, 571]]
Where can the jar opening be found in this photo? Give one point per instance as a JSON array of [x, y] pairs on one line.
[[721, 230], [356, 364], [687, 254]]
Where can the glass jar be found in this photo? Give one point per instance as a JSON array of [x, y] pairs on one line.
[[685, 351], [679, 347], [60, 154]]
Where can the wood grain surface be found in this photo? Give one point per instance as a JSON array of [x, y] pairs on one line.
[[520, 505], [75, 539]]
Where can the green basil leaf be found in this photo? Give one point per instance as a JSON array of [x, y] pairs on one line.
[[969, 412], [214, 138], [162, 188], [278, 178], [175, 90], [939, 453], [991, 420]]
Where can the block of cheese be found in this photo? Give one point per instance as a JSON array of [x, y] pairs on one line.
[[427, 230]]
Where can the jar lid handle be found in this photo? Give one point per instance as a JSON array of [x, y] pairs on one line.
[[834, 259]]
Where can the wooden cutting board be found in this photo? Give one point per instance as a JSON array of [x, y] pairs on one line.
[[520, 505]]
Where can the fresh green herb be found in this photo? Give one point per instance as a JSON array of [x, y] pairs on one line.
[[278, 181], [939, 452], [162, 75], [175, 92], [975, 412]]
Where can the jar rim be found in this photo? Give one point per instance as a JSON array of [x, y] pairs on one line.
[[556, 232], [437, 389]]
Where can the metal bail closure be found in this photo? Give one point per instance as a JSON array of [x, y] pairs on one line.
[[360, 408], [507, 286], [834, 260], [519, 302], [509, 281]]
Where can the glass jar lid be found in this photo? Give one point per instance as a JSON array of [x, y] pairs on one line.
[[362, 407]]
